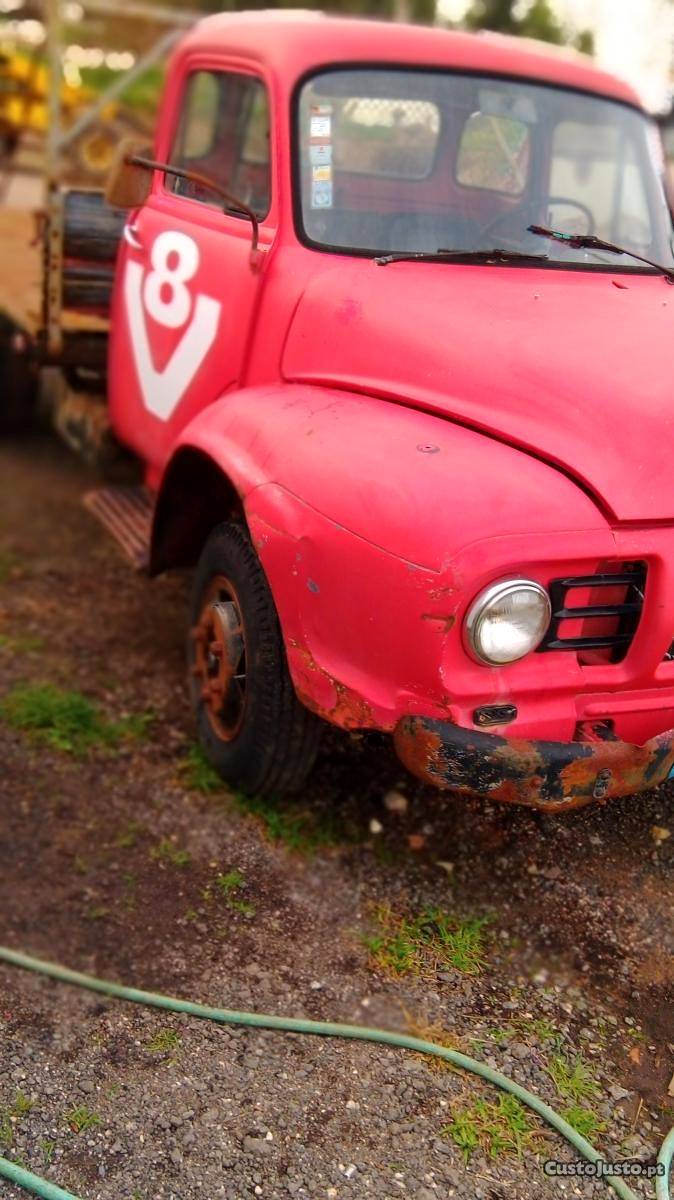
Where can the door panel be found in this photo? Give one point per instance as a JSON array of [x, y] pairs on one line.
[[185, 291], [184, 302]]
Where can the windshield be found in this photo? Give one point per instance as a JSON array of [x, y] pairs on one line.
[[412, 160]]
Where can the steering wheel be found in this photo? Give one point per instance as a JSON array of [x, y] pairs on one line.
[[530, 215]]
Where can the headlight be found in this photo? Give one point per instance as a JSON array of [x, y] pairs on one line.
[[507, 621]]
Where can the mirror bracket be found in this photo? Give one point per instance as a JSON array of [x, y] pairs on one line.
[[130, 182]]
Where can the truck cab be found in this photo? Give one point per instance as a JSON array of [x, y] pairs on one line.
[[390, 336]]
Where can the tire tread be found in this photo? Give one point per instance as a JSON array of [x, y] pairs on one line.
[[286, 735]]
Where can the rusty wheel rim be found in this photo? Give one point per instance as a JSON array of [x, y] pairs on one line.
[[220, 658]]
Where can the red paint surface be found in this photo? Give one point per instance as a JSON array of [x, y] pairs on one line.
[[546, 393]]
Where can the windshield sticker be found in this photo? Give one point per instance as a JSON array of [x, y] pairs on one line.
[[321, 174], [320, 127], [320, 156], [321, 194]]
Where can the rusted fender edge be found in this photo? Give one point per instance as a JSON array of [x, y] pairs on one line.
[[551, 776]]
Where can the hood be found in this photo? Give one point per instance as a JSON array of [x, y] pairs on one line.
[[576, 367]]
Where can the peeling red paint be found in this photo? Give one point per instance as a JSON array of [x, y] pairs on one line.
[[350, 710]]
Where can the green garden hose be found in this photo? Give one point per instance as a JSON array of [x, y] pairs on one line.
[[223, 1016]]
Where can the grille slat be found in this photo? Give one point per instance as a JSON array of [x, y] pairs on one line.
[[599, 610], [626, 612], [590, 643]]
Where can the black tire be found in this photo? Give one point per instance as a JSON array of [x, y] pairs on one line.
[[268, 743]]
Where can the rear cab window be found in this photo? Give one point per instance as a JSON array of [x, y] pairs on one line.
[[494, 154]]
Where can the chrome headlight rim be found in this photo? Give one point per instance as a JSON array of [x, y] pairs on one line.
[[485, 600]]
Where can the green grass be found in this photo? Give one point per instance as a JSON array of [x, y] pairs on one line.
[[300, 829], [540, 1028], [574, 1084], [96, 912], [135, 727], [8, 563], [164, 1042], [242, 906], [128, 835], [81, 1119], [22, 1104], [584, 1121], [304, 831], [166, 852], [65, 720], [48, 1149], [537, 1028], [130, 884], [497, 1127], [198, 775], [572, 1079], [229, 882], [20, 1107], [424, 944], [227, 886], [22, 643], [6, 1130]]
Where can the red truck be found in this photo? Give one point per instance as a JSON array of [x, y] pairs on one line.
[[390, 334]]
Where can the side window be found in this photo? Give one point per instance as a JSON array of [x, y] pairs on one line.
[[224, 134]]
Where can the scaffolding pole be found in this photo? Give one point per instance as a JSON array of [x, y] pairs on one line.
[[54, 64]]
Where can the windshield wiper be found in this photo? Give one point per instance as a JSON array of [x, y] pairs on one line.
[[588, 241], [481, 256]]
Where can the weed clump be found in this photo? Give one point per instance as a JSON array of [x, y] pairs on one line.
[[66, 720], [424, 944]]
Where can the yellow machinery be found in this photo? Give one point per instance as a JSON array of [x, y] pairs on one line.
[[24, 109]]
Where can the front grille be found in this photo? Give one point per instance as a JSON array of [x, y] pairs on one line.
[[596, 616]]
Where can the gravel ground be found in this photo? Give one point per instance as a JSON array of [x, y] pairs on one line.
[[110, 864]]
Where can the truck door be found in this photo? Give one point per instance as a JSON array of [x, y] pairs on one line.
[[185, 293]]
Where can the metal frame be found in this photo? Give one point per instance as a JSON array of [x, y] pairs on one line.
[[53, 273], [58, 141]]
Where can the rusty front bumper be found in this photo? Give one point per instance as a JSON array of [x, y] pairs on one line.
[[552, 776]]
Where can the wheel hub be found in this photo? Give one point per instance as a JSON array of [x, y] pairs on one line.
[[220, 659]]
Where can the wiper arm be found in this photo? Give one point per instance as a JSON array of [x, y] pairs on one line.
[[588, 241], [481, 256]]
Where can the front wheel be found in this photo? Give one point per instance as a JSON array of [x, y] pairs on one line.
[[252, 727]]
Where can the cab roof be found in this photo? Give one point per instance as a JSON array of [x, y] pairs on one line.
[[292, 42]]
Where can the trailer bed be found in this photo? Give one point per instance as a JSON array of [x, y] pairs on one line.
[[21, 276]]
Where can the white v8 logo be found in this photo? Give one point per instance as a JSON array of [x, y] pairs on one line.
[[163, 390]]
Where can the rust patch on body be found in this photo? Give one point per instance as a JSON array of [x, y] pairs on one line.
[[447, 622], [350, 710], [420, 750]]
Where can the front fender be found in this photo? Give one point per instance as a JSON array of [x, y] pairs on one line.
[[415, 485], [361, 627]]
